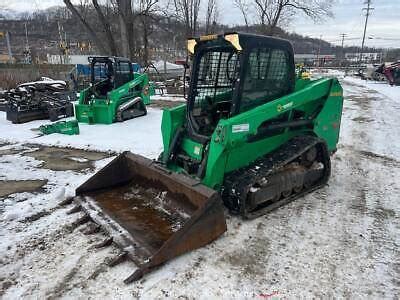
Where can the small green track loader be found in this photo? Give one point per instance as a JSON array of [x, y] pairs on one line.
[[116, 92], [253, 136]]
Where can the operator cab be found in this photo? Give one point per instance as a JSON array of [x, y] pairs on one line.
[[233, 73], [109, 73]]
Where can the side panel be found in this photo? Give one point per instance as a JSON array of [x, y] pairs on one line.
[[231, 148], [172, 119], [327, 124], [192, 149], [96, 112], [103, 111]]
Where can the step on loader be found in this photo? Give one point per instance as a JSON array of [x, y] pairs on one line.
[[254, 135], [115, 94]]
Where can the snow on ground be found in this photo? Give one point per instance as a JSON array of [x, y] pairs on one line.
[[169, 97], [342, 241], [139, 135], [392, 92]]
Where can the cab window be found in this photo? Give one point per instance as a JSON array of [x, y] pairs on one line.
[[267, 77], [123, 73]]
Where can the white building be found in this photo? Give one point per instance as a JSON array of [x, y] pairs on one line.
[[371, 56], [67, 59]]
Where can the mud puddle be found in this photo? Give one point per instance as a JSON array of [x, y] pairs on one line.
[[363, 120], [8, 187], [361, 101], [165, 103], [8, 151], [63, 159]]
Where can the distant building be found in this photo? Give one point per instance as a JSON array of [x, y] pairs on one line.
[[67, 59], [5, 59], [312, 59], [366, 57]]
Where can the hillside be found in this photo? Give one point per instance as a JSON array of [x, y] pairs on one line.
[[166, 38]]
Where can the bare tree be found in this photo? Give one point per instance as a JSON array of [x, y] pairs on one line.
[[147, 11], [83, 8], [107, 28], [272, 13], [87, 26], [126, 18], [211, 15], [243, 6], [188, 12]]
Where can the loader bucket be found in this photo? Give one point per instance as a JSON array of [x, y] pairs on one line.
[[152, 214]]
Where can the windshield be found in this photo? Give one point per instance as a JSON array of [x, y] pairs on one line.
[[101, 71], [215, 77]]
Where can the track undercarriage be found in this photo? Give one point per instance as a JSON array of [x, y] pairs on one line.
[[298, 167], [132, 109]]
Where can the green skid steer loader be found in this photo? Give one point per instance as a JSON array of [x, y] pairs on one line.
[[253, 136], [116, 92]]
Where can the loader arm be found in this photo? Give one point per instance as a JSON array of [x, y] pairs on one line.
[[240, 140], [315, 109], [139, 86]]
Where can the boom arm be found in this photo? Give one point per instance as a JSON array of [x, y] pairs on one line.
[[233, 145], [137, 87], [314, 109]]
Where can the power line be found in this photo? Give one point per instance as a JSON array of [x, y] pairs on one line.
[[340, 40], [343, 35], [382, 38], [367, 9]]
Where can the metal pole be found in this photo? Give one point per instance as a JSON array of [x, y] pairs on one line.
[[319, 50], [26, 35], [10, 56], [343, 54], [367, 9]]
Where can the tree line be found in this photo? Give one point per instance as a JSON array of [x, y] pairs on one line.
[[125, 27]]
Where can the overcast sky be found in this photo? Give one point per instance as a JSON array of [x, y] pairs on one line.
[[383, 25]]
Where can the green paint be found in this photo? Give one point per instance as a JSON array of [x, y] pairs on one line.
[[229, 148], [93, 110], [63, 127], [192, 149]]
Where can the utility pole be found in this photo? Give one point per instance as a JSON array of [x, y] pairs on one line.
[[10, 56], [367, 9], [343, 35], [319, 50], [27, 51]]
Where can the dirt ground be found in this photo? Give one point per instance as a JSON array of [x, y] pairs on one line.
[[342, 241]]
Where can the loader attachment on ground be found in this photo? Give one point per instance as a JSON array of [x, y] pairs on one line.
[[152, 214]]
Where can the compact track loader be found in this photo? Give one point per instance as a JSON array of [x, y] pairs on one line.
[[253, 135], [116, 92]]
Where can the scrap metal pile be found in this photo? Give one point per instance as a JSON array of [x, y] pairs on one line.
[[3, 101], [42, 99], [392, 73], [383, 72]]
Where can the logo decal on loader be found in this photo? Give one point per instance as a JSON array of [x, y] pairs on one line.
[[196, 150], [240, 128], [281, 107]]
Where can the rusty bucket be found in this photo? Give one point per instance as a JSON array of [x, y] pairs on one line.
[[152, 214]]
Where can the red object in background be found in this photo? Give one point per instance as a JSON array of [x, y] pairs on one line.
[[182, 62], [392, 73]]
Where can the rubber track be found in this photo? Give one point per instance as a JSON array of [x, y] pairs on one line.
[[238, 183]]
